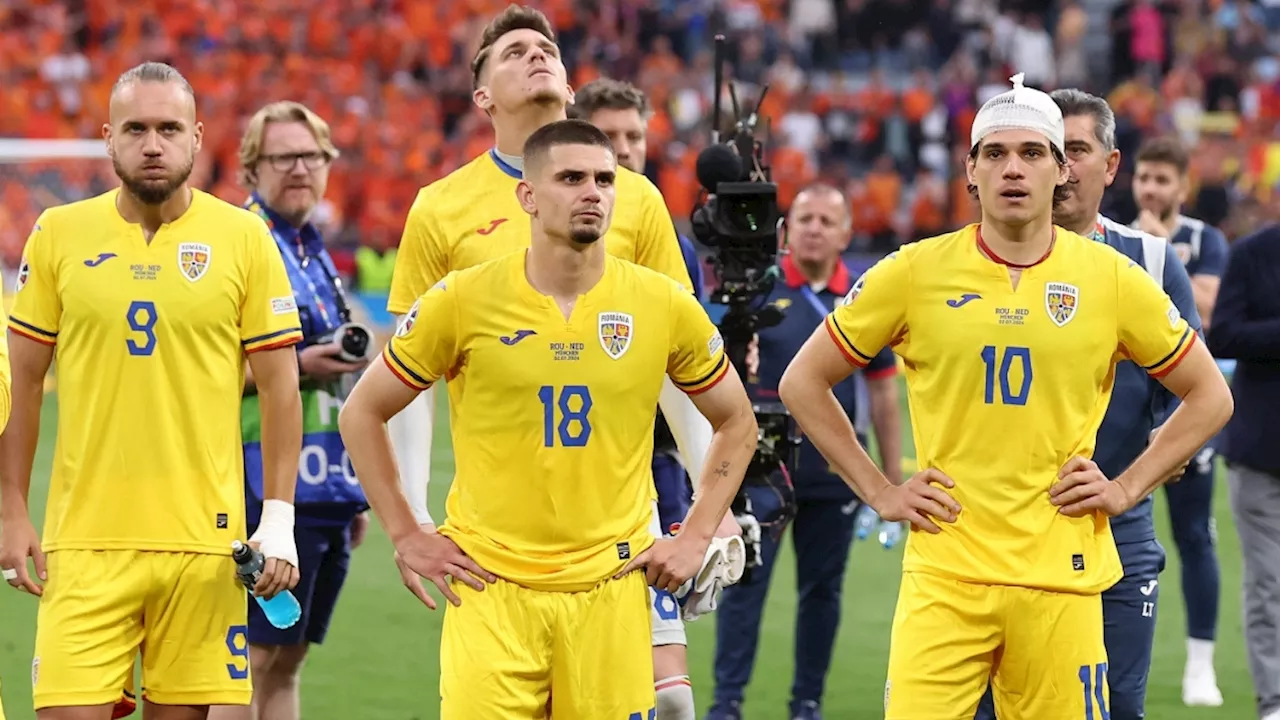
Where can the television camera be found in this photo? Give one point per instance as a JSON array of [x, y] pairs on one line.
[[739, 219]]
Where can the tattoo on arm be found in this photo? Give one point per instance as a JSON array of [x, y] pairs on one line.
[[723, 470]]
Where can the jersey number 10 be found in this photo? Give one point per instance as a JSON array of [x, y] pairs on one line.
[[994, 361], [574, 429]]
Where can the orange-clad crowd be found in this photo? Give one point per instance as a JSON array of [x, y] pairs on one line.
[[879, 112]]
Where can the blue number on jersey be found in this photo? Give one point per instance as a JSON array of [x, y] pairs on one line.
[[1094, 680], [142, 319], [990, 358], [238, 646], [664, 603], [651, 715], [569, 435]]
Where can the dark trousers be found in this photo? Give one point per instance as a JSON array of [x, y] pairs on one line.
[[1129, 631], [822, 534], [1190, 516]]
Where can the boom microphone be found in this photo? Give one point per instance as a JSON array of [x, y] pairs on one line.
[[718, 164]]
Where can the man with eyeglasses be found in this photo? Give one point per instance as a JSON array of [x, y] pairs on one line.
[[285, 156]]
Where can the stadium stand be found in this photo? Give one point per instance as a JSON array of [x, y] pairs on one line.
[[871, 94]]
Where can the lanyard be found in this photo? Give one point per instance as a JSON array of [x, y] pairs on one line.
[[815, 301], [291, 257]]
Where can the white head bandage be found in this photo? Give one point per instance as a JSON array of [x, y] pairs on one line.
[[1021, 108]]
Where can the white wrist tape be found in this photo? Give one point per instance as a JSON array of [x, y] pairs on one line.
[[275, 532], [411, 431]]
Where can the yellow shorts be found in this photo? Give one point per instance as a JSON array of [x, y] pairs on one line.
[[185, 612], [1041, 651], [512, 652]]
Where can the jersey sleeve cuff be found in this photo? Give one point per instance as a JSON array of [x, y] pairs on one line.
[[1171, 361], [273, 340], [706, 382], [32, 332], [405, 374], [856, 357], [881, 373], [396, 306]]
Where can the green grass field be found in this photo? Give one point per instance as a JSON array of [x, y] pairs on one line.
[[380, 660]]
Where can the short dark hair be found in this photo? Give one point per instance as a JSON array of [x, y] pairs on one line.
[[561, 132], [1073, 103], [157, 72], [1165, 150], [515, 17], [608, 94]]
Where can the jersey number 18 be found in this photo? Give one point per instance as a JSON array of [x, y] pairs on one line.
[[574, 428]]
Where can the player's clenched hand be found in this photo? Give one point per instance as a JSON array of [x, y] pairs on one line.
[[428, 554], [277, 575], [1082, 489], [19, 541], [918, 501], [669, 562]]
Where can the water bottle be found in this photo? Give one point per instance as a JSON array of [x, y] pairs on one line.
[[890, 534], [283, 610], [865, 521]]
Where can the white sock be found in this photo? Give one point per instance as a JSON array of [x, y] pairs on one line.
[[675, 698], [1199, 653]]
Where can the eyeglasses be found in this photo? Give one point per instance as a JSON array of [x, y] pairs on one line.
[[284, 162]]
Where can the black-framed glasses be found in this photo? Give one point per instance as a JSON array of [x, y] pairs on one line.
[[284, 162]]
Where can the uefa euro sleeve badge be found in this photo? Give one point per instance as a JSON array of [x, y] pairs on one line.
[[615, 333], [1061, 300], [193, 260]]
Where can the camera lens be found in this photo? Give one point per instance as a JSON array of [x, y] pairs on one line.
[[355, 341]]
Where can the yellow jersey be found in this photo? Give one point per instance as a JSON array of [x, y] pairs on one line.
[[472, 215], [150, 345], [553, 418], [6, 382], [1005, 385]]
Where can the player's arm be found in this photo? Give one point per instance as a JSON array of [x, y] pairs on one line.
[[873, 316], [424, 348], [699, 367], [422, 260], [1208, 278], [1177, 285], [33, 329], [1154, 335], [422, 351], [6, 381], [269, 332], [1236, 333], [886, 413]]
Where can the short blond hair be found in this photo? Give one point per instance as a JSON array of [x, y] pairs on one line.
[[285, 111]]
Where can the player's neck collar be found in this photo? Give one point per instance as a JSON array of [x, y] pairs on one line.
[[512, 165], [986, 250]]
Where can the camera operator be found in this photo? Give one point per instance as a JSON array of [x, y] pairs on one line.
[[813, 281], [285, 155]]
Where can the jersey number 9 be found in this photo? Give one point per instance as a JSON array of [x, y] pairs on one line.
[[142, 319], [996, 364], [574, 429]]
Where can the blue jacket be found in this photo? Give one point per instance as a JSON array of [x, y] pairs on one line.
[[805, 310], [1138, 402], [327, 492]]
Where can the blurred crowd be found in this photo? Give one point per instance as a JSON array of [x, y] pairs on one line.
[[875, 95]]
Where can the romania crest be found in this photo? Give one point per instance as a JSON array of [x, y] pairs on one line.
[[24, 272], [1061, 301], [409, 319], [615, 333], [193, 260]]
